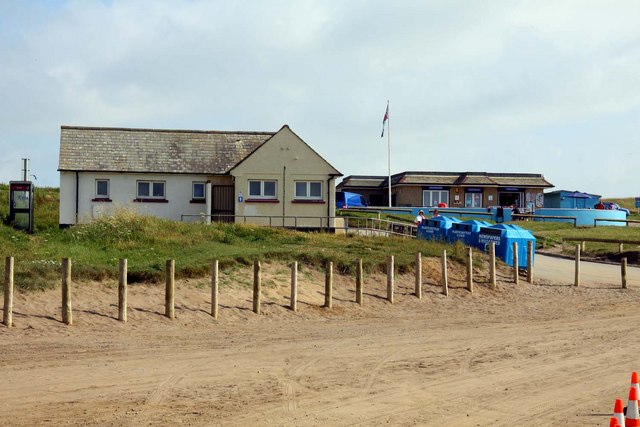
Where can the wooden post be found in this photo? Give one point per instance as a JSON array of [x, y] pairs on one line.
[[577, 279], [122, 290], [257, 286], [215, 285], [419, 275], [294, 286], [516, 266], [445, 279], [328, 285], [170, 289], [390, 278], [359, 283], [7, 318], [67, 315], [584, 245], [470, 269], [623, 272], [621, 247], [530, 261], [492, 264]]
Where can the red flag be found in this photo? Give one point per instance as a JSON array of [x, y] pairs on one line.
[[385, 119]]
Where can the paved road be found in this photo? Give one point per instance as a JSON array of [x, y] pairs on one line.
[[561, 271]]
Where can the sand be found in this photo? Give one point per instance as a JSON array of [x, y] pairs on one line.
[[547, 354]]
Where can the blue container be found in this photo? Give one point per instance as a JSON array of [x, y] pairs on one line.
[[436, 228], [504, 235], [467, 231]]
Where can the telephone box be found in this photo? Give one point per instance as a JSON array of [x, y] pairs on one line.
[[21, 205]]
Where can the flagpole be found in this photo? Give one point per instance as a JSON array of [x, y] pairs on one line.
[[389, 151]]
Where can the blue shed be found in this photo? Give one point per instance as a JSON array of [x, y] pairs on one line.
[[467, 231], [436, 228], [570, 200]]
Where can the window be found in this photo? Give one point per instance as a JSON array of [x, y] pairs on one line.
[[473, 200], [151, 189], [198, 191], [102, 188], [433, 197], [309, 190], [262, 189]]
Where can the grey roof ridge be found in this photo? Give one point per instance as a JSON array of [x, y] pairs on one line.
[[222, 132]]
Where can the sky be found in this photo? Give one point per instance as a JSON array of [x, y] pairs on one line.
[[548, 86]]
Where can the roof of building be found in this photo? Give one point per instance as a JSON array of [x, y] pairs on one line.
[[155, 150], [462, 179]]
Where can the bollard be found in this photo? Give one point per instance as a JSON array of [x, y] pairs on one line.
[[530, 261], [7, 317], [215, 288], [445, 279], [492, 265], [516, 266], [419, 275], [359, 283], [122, 290], [328, 285], [257, 286], [577, 279], [294, 286], [67, 315], [623, 272], [170, 289], [470, 270], [390, 278]]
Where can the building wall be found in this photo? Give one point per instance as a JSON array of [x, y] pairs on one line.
[[122, 191], [285, 158]]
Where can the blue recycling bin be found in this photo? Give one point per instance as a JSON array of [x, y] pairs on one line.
[[467, 231], [436, 228], [504, 235]]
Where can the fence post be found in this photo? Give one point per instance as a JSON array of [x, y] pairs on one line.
[[257, 286], [623, 272], [215, 285], [492, 264], [294, 286], [419, 275], [621, 248], [328, 285], [577, 278], [516, 266], [470, 269], [67, 315], [170, 289], [530, 261], [359, 283], [122, 290], [584, 245], [445, 279], [390, 278], [7, 317]]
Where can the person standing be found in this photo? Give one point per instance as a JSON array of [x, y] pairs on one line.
[[420, 217]]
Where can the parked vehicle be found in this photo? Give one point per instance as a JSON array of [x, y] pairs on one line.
[[345, 200], [617, 207]]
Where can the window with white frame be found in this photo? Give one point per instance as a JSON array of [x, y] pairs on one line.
[[309, 190], [151, 189], [262, 189], [434, 197], [198, 190], [102, 188]]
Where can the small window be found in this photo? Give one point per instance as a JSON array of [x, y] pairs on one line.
[[102, 188], [151, 189], [198, 191], [262, 189], [309, 190]]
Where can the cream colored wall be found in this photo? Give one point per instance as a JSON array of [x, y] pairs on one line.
[[285, 149], [122, 191]]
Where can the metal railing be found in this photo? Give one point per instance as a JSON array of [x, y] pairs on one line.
[[627, 221], [367, 226], [543, 217]]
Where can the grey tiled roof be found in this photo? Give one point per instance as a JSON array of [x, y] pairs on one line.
[[155, 150]]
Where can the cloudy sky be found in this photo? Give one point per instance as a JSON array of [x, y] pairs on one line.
[[549, 87]]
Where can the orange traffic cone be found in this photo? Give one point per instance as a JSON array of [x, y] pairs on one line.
[[613, 422], [617, 412], [634, 381], [633, 417]]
